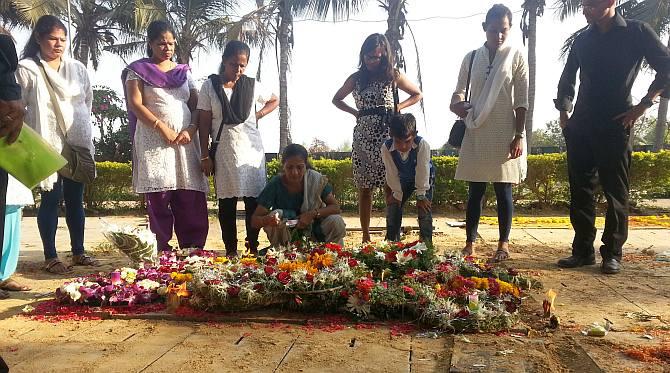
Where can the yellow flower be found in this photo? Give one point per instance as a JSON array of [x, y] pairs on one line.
[[181, 277], [320, 261], [248, 261], [221, 259]]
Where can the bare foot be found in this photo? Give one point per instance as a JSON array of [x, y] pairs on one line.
[[366, 238], [468, 250]]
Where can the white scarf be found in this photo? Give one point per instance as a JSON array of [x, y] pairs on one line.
[[501, 71], [71, 92]]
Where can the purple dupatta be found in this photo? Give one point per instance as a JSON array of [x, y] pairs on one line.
[[152, 76]]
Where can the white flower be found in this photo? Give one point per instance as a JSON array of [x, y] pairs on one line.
[[148, 284], [128, 274], [404, 257], [358, 305], [420, 247], [72, 290], [380, 255], [147, 237]]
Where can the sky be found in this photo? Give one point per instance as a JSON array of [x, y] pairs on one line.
[[326, 53]]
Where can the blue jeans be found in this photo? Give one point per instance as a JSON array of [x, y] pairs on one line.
[[504, 203], [394, 216], [47, 216]]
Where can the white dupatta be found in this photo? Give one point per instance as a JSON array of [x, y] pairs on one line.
[[73, 91], [501, 71]]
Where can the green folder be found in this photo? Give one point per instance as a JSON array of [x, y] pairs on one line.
[[30, 159]]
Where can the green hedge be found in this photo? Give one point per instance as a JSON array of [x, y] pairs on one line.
[[546, 184]]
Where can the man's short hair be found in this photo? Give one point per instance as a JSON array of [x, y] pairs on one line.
[[402, 126]]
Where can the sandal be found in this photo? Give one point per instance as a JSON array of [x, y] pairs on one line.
[[56, 267], [500, 256], [11, 285], [4, 294], [85, 260]]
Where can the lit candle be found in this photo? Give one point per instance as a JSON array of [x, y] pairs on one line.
[[116, 277]]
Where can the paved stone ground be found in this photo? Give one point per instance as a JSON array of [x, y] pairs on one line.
[[253, 344]]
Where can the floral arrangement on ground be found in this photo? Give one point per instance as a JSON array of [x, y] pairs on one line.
[[384, 280]]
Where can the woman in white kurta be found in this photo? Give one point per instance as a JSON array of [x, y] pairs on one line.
[[72, 90], [493, 149], [239, 165], [166, 156]]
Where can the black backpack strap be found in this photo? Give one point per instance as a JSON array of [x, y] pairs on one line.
[[467, 85]]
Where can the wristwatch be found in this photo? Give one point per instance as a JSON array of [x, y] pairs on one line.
[[421, 197], [647, 102]]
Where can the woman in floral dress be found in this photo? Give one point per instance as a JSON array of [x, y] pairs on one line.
[[373, 88]]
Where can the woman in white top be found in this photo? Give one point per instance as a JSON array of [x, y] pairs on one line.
[[493, 149], [228, 114], [72, 89], [166, 158]]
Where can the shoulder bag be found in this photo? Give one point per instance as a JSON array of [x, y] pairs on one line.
[[458, 129]]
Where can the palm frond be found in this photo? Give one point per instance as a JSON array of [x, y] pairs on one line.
[[419, 77], [642, 10], [127, 50], [566, 8]]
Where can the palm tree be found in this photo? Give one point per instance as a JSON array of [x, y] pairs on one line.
[[284, 12], [24, 13], [654, 12], [199, 25], [395, 32], [94, 22], [531, 10]]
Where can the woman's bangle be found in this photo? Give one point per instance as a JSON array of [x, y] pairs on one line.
[[204, 158], [261, 113], [155, 125]]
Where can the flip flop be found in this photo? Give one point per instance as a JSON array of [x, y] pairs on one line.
[[85, 260], [4, 294], [12, 285], [56, 267]]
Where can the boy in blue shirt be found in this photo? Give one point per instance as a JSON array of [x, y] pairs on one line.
[[409, 169]]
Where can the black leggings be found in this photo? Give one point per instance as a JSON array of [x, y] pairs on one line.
[[474, 211], [228, 223]]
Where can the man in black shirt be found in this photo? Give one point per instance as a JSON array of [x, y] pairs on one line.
[[11, 114], [608, 55]]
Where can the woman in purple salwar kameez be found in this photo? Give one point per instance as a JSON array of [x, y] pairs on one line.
[[166, 155]]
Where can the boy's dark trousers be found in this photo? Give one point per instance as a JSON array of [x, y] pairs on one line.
[[394, 216], [598, 151]]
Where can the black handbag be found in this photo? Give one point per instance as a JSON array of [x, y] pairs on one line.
[[458, 129]]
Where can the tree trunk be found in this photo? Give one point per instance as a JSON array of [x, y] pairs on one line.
[[532, 68], [83, 52], [284, 61], [661, 122], [394, 24]]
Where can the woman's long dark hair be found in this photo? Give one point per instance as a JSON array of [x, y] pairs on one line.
[[44, 26], [232, 49], [155, 30], [387, 72], [296, 150]]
